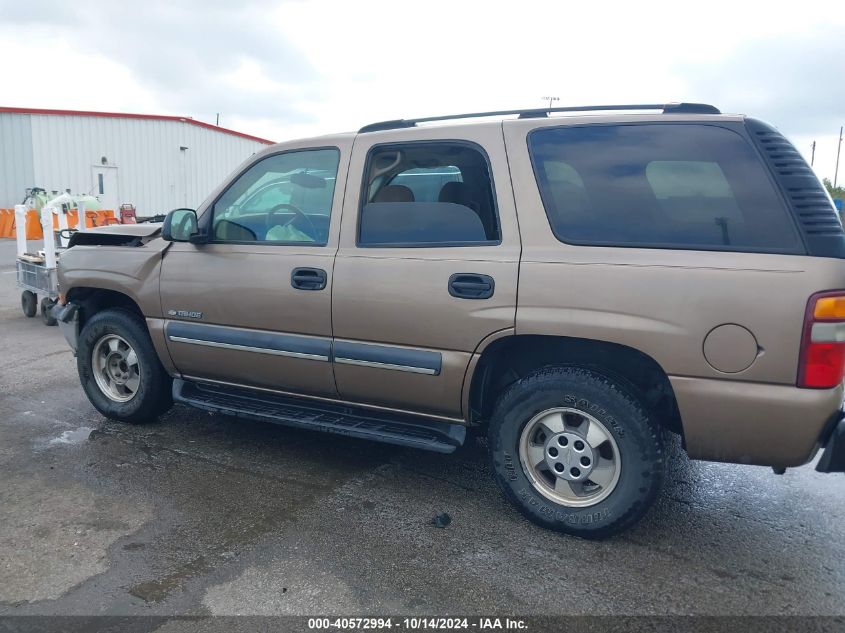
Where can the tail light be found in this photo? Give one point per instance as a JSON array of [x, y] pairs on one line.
[[822, 361]]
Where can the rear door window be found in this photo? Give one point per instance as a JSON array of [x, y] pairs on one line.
[[427, 193], [659, 185]]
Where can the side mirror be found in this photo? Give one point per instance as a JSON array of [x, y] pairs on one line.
[[180, 225]]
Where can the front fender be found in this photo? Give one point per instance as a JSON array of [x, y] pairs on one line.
[[133, 272]]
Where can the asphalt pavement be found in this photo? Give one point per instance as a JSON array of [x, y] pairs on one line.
[[206, 514]]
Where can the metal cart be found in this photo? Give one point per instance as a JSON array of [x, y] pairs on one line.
[[36, 274], [36, 279]]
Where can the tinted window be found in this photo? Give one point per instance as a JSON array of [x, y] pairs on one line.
[[284, 198], [683, 185], [436, 194]]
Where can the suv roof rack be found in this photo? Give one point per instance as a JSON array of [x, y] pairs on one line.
[[533, 113]]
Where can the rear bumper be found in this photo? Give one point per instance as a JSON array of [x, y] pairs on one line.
[[833, 458], [754, 423]]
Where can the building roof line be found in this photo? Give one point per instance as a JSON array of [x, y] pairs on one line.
[[128, 115]]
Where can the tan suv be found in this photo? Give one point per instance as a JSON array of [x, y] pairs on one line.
[[577, 285]]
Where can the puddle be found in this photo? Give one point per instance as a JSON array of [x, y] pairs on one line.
[[77, 436]]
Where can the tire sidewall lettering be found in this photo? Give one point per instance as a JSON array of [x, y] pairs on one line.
[[557, 514]]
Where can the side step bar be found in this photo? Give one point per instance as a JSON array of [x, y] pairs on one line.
[[402, 430]]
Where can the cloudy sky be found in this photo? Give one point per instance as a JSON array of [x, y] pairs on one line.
[[284, 69]]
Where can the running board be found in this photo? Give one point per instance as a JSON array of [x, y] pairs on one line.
[[368, 424]]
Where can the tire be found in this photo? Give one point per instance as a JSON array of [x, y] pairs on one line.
[[46, 305], [142, 390], [539, 415], [29, 303]]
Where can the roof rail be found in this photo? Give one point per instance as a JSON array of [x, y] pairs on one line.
[[667, 108]]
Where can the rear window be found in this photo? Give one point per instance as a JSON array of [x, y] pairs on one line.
[[660, 185]]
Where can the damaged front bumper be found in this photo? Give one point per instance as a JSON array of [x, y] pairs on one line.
[[68, 318]]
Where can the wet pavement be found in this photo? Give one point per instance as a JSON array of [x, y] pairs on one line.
[[204, 514]]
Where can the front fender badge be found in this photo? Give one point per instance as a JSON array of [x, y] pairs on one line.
[[185, 314]]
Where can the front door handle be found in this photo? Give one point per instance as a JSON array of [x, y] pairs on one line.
[[308, 278], [471, 286]]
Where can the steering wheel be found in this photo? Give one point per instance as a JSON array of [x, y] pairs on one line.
[[297, 214]]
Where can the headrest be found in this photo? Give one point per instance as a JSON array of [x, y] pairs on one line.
[[453, 191], [394, 193]]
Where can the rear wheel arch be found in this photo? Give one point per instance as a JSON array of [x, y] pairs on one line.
[[507, 359]]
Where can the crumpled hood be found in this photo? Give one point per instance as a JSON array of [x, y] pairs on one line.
[[117, 235], [145, 229]]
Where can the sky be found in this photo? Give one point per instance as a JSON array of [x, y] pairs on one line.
[[288, 69]]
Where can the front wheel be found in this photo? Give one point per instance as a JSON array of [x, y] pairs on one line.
[[576, 451], [119, 369]]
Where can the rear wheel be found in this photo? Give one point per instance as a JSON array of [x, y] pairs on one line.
[[576, 451], [120, 370], [29, 303]]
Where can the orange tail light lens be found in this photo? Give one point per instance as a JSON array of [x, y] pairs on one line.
[[827, 308]]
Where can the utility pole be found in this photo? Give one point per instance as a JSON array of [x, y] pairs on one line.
[[838, 151], [550, 100], [813, 155], [218, 124]]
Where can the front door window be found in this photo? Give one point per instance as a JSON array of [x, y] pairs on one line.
[[282, 199]]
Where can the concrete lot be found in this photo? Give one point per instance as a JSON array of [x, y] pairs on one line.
[[201, 514]]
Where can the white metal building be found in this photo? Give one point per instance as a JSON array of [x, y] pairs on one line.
[[155, 162]]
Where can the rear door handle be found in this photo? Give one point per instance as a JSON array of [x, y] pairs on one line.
[[308, 278], [471, 286]]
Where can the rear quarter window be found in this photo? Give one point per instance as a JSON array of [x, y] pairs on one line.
[[659, 185]]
